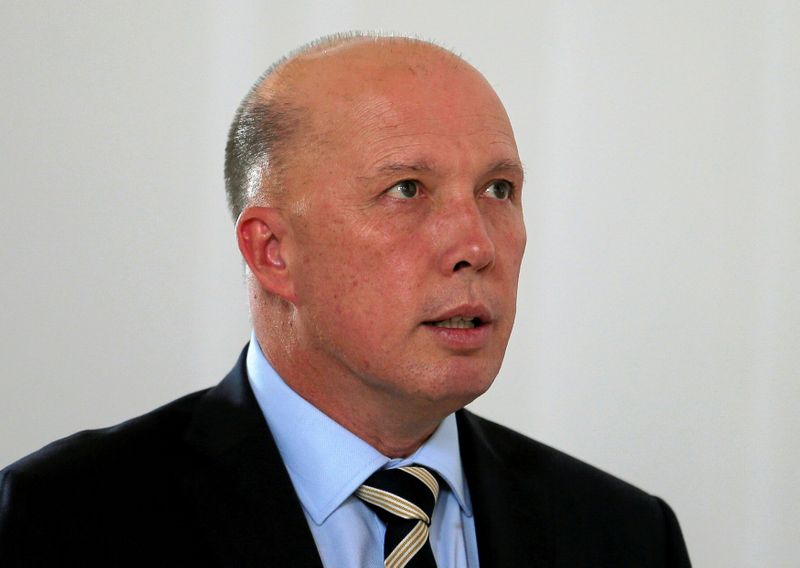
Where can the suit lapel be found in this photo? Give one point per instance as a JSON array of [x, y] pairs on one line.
[[510, 512], [237, 484]]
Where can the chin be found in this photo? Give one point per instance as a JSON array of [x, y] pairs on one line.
[[460, 388]]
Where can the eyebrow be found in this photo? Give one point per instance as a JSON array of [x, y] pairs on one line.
[[395, 167], [502, 165], [507, 165]]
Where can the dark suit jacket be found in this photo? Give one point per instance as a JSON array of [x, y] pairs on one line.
[[200, 482]]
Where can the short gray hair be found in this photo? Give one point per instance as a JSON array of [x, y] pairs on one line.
[[261, 127]]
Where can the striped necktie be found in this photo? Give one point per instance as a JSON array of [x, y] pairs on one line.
[[404, 499]]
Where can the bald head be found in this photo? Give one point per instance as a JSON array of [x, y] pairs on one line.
[[296, 102]]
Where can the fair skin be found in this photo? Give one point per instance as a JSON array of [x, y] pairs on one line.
[[383, 282]]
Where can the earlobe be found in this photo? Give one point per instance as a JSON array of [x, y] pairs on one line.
[[261, 234]]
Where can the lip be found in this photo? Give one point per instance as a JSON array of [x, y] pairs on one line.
[[479, 311], [462, 339]]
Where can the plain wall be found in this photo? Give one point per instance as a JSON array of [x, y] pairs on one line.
[[658, 322]]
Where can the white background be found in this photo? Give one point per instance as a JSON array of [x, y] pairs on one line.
[[658, 323]]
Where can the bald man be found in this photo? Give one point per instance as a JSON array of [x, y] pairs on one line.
[[376, 188]]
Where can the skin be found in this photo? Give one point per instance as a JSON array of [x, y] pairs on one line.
[[394, 214]]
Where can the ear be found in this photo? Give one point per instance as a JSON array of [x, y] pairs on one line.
[[261, 233]]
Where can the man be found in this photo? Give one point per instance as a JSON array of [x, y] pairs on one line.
[[376, 186]]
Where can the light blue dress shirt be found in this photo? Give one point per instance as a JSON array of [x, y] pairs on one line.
[[327, 463]]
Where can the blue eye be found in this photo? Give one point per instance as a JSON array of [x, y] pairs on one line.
[[500, 189], [406, 189]]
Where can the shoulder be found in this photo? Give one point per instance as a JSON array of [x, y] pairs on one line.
[[591, 517], [92, 491], [536, 461], [119, 446], [93, 462]]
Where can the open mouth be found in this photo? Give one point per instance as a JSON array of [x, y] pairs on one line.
[[457, 323]]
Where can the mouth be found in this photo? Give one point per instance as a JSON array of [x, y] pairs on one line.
[[465, 316], [462, 329], [457, 322]]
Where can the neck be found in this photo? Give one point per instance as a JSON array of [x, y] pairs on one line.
[[394, 424]]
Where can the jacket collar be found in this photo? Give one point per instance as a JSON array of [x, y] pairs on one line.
[[240, 490], [511, 511]]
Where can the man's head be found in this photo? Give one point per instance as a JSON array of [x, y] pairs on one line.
[[382, 228]]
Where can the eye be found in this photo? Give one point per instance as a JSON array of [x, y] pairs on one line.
[[500, 189], [406, 189]]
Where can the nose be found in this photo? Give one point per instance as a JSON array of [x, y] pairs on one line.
[[465, 239]]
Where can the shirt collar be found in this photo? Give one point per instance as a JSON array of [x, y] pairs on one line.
[[327, 462]]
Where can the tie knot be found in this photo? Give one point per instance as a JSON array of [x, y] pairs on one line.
[[406, 492]]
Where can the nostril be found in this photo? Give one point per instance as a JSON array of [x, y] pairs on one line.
[[459, 265]]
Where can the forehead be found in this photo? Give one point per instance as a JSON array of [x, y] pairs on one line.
[[382, 100]]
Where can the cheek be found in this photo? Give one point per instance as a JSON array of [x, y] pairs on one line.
[[360, 280], [381, 287], [510, 240]]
